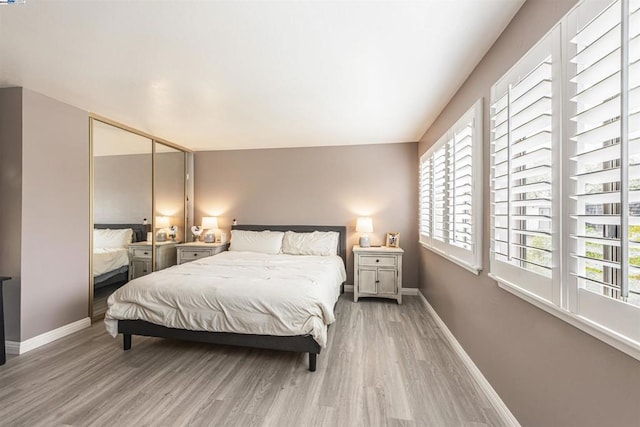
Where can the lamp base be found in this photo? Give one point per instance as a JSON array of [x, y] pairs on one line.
[[365, 242]]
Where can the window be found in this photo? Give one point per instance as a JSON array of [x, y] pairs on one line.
[[604, 110], [451, 192], [525, 132], [565, 227]]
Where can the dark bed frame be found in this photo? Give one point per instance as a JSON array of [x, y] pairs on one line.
[[298, 343], [139, 235]]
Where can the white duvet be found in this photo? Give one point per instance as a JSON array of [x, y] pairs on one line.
[[241, 292], [108, 259]]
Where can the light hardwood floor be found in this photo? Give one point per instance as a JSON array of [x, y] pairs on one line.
[[385, 364], [100, 296]]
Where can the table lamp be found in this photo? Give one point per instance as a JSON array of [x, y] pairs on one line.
[[210, 224], [162, 223], [364, 225]]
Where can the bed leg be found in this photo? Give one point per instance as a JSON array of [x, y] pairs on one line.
[[126, 341], [312, 362]]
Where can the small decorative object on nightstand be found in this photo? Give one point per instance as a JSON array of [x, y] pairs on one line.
[[196, 230], [196, 250], [173, 232], [377, 273], [393, 239]]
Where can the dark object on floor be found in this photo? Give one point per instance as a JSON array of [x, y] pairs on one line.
[[3, 354]]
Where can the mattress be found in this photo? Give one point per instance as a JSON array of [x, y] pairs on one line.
[[239, 292], [108, 259]]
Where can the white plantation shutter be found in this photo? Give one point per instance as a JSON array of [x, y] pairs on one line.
[[632, 132], [460, 187], [604, 261], [525, 133], [425, 198], [451, 192], [439, 192], [500, 179]]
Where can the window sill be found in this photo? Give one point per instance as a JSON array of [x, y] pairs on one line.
[[606, 335], [473, 269]]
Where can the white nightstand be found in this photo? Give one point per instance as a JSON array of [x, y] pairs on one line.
[[196, 250], [377, 273], [140, 256]]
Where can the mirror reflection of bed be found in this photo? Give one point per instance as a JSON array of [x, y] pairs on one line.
[[111, 259], [122, 201]]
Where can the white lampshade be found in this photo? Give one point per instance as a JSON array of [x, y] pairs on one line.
[[163, 222], [364, 225], [210, 222]]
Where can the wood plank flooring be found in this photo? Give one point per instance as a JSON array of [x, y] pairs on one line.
[[384, 365], [100, 302], [100, 297]]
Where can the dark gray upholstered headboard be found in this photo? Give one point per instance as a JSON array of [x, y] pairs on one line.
[[342, 230], [139, 230]]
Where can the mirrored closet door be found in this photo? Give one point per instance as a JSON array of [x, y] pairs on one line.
[[138, 207], [169, 191]]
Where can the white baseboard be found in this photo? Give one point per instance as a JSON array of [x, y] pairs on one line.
[[14, 347], [493, 397], [405, 291]]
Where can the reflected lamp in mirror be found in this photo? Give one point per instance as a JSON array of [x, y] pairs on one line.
[[162, 224], [210, 224], [364, 225]]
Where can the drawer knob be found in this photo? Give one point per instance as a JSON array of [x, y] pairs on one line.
[[146, 253], [377, 260], [377, 281], [144, 271], [195, 254]]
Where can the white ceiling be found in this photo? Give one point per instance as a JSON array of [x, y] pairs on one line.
[[262, 74], [112, 141]]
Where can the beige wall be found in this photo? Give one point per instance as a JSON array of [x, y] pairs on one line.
[[319, 186], [11, 205], [547, 372], [45, 224], [55, 220]]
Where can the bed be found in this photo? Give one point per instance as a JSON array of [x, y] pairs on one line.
[[261, 300], [111, 263]]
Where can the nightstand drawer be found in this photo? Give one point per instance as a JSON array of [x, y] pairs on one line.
[[190, 255], [142, 253], [378, 261]]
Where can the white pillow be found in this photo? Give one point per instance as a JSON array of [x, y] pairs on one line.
[[266, 242], [109, 238], [317, 243]]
